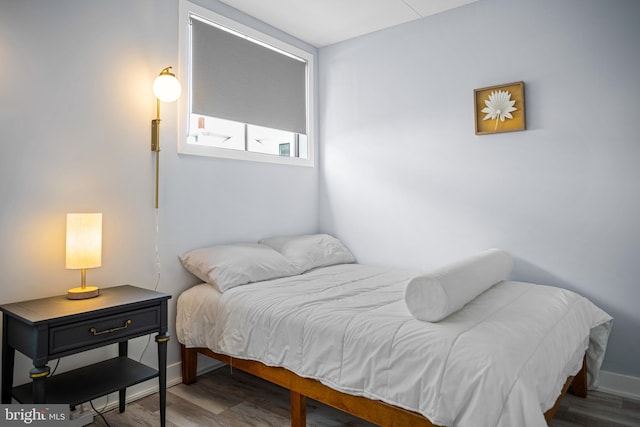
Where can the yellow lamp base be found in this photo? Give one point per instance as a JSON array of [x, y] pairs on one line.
[[83, 293]]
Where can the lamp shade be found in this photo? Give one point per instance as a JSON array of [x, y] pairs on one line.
[[84, 240], [166, 87]]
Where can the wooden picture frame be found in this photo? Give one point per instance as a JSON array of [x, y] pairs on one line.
[[490, 118]]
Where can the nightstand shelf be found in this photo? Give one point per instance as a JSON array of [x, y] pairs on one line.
[[50, 328], [89, 382]]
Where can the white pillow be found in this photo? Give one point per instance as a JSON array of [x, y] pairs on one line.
[[228, 266], [311, 251], [434, 296]]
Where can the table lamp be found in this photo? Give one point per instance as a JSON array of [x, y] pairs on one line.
[[84, 250]]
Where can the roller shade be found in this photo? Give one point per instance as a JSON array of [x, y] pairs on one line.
[[236, 79]]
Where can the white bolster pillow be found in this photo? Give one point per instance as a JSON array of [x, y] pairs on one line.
[[434, 296]]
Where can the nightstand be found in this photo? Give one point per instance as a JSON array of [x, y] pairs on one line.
[[50, 328]]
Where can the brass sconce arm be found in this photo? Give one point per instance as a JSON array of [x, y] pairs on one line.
[[166, 88]]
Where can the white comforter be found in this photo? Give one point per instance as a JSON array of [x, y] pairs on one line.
[[500, 361]]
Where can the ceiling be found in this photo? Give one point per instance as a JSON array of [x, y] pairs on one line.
[[324, 22]]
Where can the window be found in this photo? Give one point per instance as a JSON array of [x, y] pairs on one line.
[[249, 95]]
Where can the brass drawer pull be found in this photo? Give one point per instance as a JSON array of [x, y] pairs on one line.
[[95, 332]]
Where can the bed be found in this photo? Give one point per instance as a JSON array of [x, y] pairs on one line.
[[349, 335]]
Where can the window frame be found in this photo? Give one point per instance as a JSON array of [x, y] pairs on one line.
[[186, 10]]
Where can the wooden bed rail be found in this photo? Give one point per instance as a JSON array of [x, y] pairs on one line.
[[578, 386], [300, 388]]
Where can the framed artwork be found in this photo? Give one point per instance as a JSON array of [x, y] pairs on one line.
[[499, 108]]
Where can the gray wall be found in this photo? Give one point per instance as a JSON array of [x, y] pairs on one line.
[[75, 126], [405, 182]]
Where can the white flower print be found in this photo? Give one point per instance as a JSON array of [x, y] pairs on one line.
[[499, 106]]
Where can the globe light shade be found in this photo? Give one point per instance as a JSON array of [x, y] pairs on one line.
[[166, 87]]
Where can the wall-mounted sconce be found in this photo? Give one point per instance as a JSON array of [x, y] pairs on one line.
[[84, 250], [167, 89]]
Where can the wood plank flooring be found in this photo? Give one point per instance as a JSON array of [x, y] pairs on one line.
[[224, 399]]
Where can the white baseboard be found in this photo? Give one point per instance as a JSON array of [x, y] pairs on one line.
[[620, 385]]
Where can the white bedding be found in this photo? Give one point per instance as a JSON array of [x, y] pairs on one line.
[[500, 361]]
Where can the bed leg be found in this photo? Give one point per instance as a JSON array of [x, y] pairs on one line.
[[579, 385], [298, 410], [189, 364]]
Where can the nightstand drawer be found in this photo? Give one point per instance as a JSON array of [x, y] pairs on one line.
[[101, 330]]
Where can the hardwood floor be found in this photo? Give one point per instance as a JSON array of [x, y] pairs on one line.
[[224, 399]]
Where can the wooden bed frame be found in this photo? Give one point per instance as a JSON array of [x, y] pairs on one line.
[[374, 411]]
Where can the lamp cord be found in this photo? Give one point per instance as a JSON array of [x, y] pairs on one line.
[[100, 412], [157, 268], [55, 368]]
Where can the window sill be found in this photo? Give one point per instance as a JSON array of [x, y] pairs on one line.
[[201, 150]]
